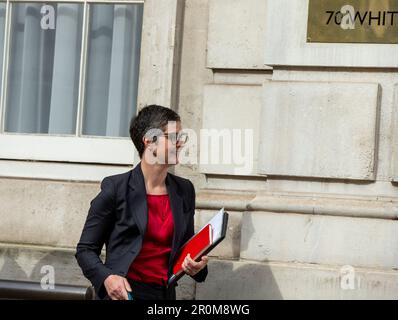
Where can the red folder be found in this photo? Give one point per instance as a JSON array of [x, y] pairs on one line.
[[196, 246], [201, 243]]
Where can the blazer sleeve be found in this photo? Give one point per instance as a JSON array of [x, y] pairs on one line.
[[98, 225], [202, 274]]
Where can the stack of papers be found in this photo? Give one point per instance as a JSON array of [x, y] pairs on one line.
[[201, 243]]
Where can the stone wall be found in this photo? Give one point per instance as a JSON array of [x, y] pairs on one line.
[[319, 206]]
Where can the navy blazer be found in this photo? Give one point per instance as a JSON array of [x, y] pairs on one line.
[[118, 217]]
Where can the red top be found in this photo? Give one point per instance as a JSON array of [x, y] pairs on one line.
[[151, 264]]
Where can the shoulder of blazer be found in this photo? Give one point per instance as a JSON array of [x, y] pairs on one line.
[[120, 176], [119, 179], [185, 189], [182, 183], [184, 186]]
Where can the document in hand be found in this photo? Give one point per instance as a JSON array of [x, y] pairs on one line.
[[201, 243]]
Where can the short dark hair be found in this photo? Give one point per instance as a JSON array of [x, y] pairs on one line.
[[150, 117]]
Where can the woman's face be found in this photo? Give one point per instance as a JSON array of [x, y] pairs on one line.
[[166, 148]]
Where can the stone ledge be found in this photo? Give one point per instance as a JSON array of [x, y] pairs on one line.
[[275, 281], [302, 203]]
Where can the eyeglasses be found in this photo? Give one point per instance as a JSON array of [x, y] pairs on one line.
[[174, 137]]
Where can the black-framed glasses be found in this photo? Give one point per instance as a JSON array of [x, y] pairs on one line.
[[174, 137]]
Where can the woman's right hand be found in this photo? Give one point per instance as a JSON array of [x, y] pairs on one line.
[[117, 287]]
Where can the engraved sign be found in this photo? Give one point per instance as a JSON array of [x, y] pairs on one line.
[[353, 21]]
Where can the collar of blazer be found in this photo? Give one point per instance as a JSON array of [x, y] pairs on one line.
[[138, 202]]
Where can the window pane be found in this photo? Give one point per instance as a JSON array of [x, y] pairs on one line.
[[2, 21], [43, 75], [112, 68]]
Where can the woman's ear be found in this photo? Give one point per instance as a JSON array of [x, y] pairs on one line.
[[148, 141]]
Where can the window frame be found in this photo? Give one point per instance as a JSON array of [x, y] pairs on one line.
[[67, 149]]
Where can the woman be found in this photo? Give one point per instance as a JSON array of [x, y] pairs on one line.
[[143, 217]]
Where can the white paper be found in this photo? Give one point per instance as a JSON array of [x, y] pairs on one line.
[[216, 225]]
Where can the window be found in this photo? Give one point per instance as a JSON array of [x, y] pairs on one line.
[[69, 80], [43, 69], [112, 69], [2, 24]]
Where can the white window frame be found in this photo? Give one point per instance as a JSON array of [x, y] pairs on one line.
[[90, 158]]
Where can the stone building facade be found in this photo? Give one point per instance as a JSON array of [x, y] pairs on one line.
[[316, 215]]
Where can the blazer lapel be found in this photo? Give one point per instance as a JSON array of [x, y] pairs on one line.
[[176, 202], [137, 198]]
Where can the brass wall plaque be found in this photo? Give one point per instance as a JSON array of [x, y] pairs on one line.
[[353, 21]]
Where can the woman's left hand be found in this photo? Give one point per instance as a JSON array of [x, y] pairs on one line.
[[192, 267]]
